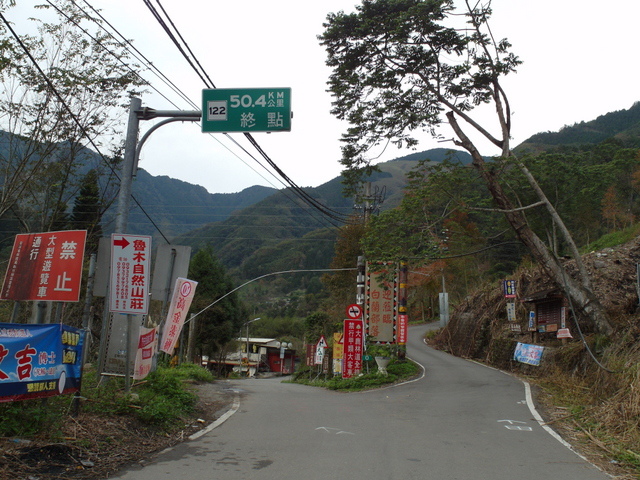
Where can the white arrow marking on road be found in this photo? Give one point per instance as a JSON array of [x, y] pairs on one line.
[[339, 432]]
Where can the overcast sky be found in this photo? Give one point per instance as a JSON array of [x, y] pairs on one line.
[[580, 61]]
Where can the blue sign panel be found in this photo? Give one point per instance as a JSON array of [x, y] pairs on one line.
[[40, 360]]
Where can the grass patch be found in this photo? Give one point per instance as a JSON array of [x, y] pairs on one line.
[[160, 402], [396, 371]]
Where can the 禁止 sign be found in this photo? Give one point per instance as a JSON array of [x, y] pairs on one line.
[[39, 360], [45, 266], [246, 110], [130, 273]]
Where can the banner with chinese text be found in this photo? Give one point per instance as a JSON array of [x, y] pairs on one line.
[[381, 302], [130, 274], [39, 360], [529, 354], [45, 266], [183, 292], [147, 347], [353, 344]]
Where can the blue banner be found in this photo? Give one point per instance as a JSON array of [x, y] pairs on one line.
[[39, 360], [529, 354]]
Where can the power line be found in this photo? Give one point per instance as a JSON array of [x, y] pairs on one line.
[[71, 113]]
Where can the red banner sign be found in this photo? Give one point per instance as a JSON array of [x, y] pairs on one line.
[[45, 266], [183, 293], [353, 343]]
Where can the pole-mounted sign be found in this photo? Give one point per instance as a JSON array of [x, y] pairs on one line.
[[246, 110]]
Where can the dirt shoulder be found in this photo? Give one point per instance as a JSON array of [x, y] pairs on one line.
[[95, 447]]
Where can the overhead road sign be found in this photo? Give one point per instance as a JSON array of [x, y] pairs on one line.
[[226, 110]]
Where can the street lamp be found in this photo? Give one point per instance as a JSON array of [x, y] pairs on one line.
[[247, 324]]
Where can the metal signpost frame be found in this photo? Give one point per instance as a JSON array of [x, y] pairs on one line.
[[226, 110]]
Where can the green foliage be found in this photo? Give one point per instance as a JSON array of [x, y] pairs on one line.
[[31, 417], [613, 239], [219, 323], [396, 64], [397, 371], [163, 400]]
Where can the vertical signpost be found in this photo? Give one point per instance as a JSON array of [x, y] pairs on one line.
[[129, 285]]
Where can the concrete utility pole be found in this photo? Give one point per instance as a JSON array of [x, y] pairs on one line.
[[129, 169]]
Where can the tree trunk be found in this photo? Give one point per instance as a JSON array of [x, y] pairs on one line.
[[580, 293]]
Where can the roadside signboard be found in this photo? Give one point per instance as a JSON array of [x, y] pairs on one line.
[[180, 302], [509, 287], [246, 110], [130, 273], [45, 266], [529, 354], [403, 328], [353, 343], [39, 360], [320, 347], [381, 305]]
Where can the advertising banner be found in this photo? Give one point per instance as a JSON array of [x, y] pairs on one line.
[[45, 266], [381, 302], [529, 354], [130, 274], [509, 287], [180, 302], [147, 347], [39, 360]]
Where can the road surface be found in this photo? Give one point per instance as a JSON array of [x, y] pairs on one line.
[[459, 421]]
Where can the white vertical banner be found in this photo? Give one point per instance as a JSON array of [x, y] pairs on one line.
[[183, 292], [147, 347], [130, 274]]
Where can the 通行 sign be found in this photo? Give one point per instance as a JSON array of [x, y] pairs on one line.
[[45, 266], [246, 110]]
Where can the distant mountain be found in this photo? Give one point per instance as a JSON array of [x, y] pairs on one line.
[[177, 207], [174, 206], [282, 225], [623, 125]]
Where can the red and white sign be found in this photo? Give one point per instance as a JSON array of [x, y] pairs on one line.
[[183, 292], [130, 273], [353, 343], [320, 347], [45, 266], [403, 328], [354, 311], [147, 347]]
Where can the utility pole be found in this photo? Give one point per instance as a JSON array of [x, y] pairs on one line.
[[129, 169]]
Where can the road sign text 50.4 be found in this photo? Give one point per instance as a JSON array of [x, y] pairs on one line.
[[246, 101]]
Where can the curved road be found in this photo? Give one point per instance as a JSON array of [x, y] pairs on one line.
[[460, 421]]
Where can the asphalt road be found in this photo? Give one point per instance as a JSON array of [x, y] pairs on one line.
[[460, 421]]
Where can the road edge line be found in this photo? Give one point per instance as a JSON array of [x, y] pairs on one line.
[[223, 418]]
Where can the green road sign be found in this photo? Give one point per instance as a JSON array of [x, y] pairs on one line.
[[246, 110]]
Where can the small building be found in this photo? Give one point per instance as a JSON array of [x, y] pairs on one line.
[[266, 355], [550, 308]]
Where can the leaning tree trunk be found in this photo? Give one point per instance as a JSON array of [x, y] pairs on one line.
[[579, 293]]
